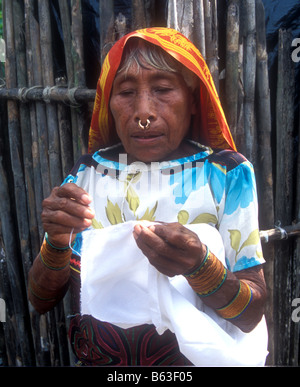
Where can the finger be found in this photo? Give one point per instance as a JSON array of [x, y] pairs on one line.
[[57, 229], [180, 246], [67, 205], [72, 191], [159, 253], [176, 235], [64, 219], [145, 237], [161, 263]]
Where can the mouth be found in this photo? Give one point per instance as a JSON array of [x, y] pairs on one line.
[[149, 136]]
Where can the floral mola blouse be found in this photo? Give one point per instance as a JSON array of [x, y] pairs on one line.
[[213, 187]]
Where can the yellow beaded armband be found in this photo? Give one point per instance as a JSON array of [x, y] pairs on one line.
[[238, 305], [53, 259], [209, 277]]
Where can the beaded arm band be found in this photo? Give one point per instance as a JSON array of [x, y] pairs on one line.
[[55, 247], [54, 258], [238, 305], [209, 276]]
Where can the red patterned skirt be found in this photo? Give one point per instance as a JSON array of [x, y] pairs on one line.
[[102, 344], [97, 343]]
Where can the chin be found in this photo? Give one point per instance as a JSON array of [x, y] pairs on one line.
[[146, 156]]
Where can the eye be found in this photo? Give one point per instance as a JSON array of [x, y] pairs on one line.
[[163, 90], [126, 92]]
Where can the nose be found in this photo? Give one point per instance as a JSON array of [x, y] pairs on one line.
[[145, 108]]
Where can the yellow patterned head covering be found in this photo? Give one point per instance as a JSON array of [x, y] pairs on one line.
[[209, 125]]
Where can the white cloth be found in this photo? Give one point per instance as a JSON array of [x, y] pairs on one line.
[[120, 286]]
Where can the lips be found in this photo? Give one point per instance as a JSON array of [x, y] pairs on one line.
[[147, 135]]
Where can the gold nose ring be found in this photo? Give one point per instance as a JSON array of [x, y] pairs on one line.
[[144, 127]]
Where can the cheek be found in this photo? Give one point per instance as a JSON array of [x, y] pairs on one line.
[[115, 108]]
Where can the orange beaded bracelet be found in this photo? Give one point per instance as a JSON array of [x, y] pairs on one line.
[[238, 305], [54, 259], [209, 277]]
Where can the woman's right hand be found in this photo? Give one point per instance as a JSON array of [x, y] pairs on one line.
[[66, 208]]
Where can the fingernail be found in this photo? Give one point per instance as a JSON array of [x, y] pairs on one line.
[[89, 212], [86, 198], [87, 222], [137, 229]]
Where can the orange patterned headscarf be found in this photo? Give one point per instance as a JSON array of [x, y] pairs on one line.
[[209, 124]]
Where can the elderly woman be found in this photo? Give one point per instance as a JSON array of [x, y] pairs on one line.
[[156, 107]]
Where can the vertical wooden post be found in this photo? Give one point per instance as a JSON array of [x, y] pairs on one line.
[[284, 197], [180, 17], [36, 166], [138, 14], [264, 170], [296, 261], [106, 12], [232, 65], [79, 138], [249, 79], [17, 265], [48, 81], [211, 39], [199, 30]]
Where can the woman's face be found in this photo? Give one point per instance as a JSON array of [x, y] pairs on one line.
[[164, 99]]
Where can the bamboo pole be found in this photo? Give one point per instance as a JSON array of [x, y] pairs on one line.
[[240, 135], [5, 295], [180, 17], [26, 139], [106, 12], [284, 130], [211, 39], [65, 14], [265, 167], [48, 80], [59, 93], [264, 122], [199, 30], [296, 258], [42, 139], [138, 14], [15, 140], [284, 196], [249, 79], [41, 355], [232, 65], [65, 134], [17, 337], [36, 166], [16, 266], [79, 138], [280, 233], [56, 318]]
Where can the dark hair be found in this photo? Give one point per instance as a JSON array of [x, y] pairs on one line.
[[144, 55]]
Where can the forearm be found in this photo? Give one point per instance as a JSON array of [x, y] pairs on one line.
[[237, 297], [49, 277]]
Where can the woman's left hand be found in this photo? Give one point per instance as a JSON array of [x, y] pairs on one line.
[[170, 247]]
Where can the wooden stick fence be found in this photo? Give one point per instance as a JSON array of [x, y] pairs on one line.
[[44, 127]]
